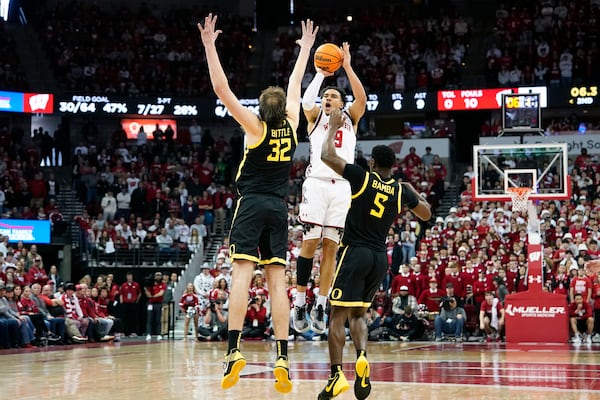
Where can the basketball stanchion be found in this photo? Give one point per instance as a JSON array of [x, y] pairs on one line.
[[524, 174]]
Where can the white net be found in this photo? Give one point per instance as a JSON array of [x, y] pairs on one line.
[[519, 197]]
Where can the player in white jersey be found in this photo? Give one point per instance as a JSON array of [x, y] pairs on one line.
[[325, 194]]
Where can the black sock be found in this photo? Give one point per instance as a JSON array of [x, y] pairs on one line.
[[361, 353], [335, 368], [303, 269], [282, 347], [234, 341]]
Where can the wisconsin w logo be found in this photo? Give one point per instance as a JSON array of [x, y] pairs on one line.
[[39, 102], [535, 256]]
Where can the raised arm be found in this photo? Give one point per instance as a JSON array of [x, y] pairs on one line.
[[358, 106], [309, 98], [422, 210], [246, 118], [328, 153], [309, 33]]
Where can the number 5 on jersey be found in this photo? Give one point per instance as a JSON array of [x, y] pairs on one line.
[[380, 198]]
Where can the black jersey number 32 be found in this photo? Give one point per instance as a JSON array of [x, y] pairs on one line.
[[280, 150]]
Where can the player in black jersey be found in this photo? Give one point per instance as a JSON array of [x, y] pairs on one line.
[[362, 263], [259, 227]]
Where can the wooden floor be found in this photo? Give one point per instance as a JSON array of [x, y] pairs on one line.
[[191, 370]]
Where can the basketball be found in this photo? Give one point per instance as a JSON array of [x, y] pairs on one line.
[[329, 57]]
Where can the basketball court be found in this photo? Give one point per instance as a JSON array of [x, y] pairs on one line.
[[193, 370]]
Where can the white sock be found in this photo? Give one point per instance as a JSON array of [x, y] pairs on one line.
[[300, 299], [322, 301]]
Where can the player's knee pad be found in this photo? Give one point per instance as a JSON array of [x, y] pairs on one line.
[[312, 231], [333, 234]]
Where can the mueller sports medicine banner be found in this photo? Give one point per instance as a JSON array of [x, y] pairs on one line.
[[25, 230]]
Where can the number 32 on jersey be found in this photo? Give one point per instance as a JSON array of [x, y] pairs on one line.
[[280, 150]]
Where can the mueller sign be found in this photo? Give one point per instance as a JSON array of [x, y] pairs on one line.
[[535, 311]]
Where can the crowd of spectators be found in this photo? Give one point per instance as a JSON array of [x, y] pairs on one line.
[[37, 308], [161, 196], [144, 51], [544, 42], [422, 52], [155, 51]]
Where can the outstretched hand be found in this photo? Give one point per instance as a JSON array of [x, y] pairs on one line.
[[208, 33], [347, 56], [309, 33]]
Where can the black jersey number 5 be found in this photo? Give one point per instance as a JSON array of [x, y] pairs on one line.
[[280, 150], [380, 198]]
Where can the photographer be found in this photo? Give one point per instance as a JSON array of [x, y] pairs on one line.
[[215, 323], [257, 320], [154, 292], [451, 320], [407, 327], [189, 304]]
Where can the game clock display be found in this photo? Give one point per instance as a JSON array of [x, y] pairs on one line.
[[521, 111]]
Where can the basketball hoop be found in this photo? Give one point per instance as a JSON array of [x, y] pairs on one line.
[[519, 197]]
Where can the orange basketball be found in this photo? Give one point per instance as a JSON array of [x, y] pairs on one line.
[[329, 57]]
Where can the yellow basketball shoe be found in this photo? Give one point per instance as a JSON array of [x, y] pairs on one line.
[[336, 384], [283, 383], [233, 365], [362, 383]]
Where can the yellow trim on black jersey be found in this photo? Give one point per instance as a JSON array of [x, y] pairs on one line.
[[339, 266], [237, 207], [363, 187], [295, 134], [247, 149], [274, 260], [246, 257], [239, 171], [350, 304], [388, 182], [400, 198], [262, 138]]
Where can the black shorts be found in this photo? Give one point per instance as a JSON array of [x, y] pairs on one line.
[[582, 325], [358, 275], [259, 230]]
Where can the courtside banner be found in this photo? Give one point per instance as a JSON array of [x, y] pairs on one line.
[[25, 230]]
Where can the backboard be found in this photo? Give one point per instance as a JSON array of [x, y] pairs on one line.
[[541, 166]]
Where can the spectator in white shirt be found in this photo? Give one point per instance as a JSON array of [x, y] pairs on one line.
[[123, 203]]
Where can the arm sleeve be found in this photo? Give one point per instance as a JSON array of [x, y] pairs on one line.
[[409, 198], [311, 92]]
